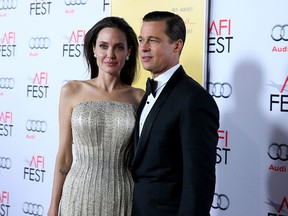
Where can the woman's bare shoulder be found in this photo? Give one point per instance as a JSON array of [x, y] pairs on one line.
[[72, 91], [73, 86]]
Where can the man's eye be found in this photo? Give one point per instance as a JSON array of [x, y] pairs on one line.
[[152, 40]]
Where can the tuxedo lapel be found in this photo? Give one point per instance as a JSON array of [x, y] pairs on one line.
[[142, 141], [138, 114]]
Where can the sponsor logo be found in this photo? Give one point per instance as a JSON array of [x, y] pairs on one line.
[[75, 2], [33, 209], [6, 124], [220, 38], [278, 152], [39, 43], [4, 203], [8, 4], [40, 8], [39, 87], [278, 209], [8, 44], [220, 90], [223, 149], [36, 126], [279, 101], [5, 163], [279, 33], [36, 170], [7, 83], [74, 47], [220, 201]]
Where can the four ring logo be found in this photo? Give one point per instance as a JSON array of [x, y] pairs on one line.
[[220, 201], [8, 4], [33, 209], [36, 125], [7, 83], [280, 32], [39, 42], [218, 89], [75, 2], [278, 152], [5, 163]]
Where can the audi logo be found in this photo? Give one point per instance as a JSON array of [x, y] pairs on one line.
[[75, 2], [33, 209], [218, 89], [7, 83], [8, 4], [278, 152], [36, 126], [220, 201], [39, 43], [5, 163], [280, 32]]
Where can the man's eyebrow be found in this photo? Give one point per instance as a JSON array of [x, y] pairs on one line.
[[149, 37]]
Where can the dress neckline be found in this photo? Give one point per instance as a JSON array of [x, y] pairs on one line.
[[104, 101]]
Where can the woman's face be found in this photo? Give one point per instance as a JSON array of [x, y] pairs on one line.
[[111, 50]]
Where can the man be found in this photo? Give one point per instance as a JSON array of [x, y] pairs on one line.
[[176, 131]]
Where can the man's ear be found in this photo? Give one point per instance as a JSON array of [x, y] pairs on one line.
[[178, 46]]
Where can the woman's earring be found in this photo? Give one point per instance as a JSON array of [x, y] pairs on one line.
[[95, 55], [127, 58]]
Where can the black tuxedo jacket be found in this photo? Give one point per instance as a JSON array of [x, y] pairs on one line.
[[173, 166]]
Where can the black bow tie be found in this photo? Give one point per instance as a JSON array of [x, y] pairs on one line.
[[151, 86]]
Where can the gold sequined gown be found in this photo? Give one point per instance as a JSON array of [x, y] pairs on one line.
[[99, 182]]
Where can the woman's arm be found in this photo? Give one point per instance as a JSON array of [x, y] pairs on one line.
[[64, 157]]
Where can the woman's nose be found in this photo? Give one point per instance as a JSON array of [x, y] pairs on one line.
[[110, 53]]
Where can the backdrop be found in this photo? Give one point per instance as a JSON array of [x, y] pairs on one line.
[[245, 45], [248, 72]]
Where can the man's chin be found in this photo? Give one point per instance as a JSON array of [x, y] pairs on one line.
[[147, 67]]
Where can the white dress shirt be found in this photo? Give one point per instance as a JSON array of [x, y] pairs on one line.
[[162, 79]]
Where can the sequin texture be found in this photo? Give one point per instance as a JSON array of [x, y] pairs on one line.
[[99, 182]]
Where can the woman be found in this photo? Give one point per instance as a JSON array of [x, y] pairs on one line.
[[98, 116]]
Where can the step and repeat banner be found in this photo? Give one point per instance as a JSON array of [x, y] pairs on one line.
[[248, 70], [41, 46]]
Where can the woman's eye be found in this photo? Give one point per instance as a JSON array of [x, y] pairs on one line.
[[103, 46], [120, 47]]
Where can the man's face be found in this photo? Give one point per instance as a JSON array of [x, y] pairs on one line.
[[156, 50]]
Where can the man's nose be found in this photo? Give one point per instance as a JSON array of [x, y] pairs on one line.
[[144, 46]]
